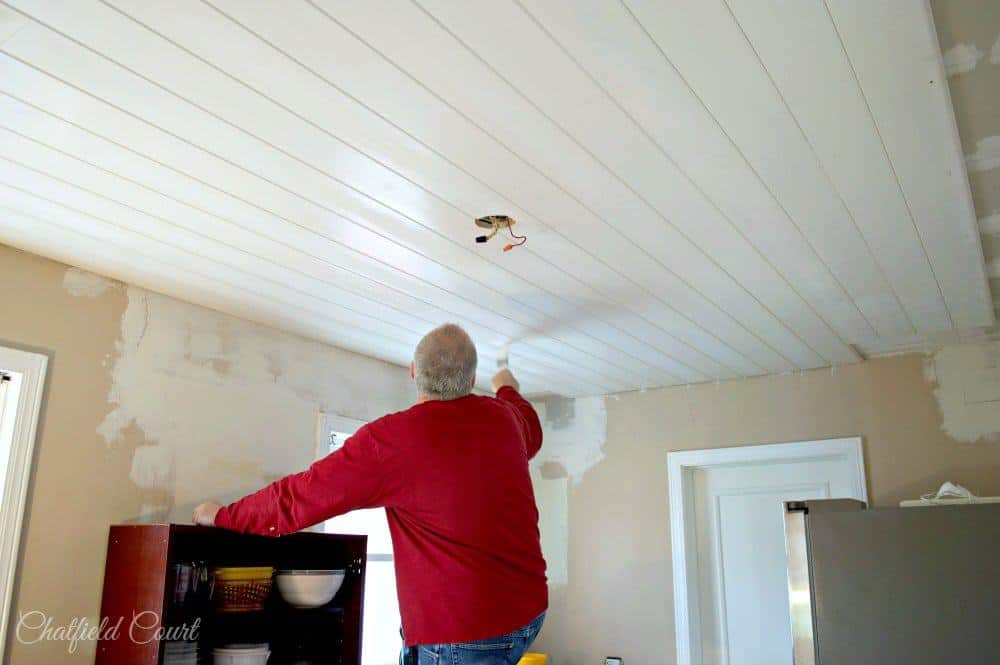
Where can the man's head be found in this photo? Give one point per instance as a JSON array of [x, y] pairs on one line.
[[444, 364]]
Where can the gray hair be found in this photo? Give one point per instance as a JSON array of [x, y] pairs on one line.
[[444, 364]]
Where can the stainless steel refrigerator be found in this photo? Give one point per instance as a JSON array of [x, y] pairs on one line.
[[893, 585]]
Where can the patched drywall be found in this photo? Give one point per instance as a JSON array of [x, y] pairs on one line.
[[221, 405], [575, 432], [986, 157], [202, 405], [966, 382], [552, 499], [990, 224], [85, 284], [962, 58]]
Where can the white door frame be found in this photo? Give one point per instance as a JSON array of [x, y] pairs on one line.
[[680, 466], [31, 367]]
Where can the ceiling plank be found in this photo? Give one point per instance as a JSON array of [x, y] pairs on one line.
[[414, 43], [859, 168], [815, 252], [301, 252], [71, 247], [238, 51], [901, 74], [81, 246], [204, 239], [372, 225], [681, 224]]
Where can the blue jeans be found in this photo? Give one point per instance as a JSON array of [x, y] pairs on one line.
[[504, 650]]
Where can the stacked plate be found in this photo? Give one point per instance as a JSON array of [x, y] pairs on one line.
[[241, 654], [180, 652]]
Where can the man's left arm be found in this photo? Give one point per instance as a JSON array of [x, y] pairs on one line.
[[345, 480]]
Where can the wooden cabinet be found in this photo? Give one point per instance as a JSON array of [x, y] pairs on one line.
[[142, 613]]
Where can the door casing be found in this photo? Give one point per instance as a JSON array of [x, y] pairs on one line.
[[680, 465]]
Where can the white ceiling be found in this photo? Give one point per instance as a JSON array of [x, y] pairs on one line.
[[710, 189]]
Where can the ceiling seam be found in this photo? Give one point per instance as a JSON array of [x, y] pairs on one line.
[[824, 171], [281, 285], [189, 231], [888, 158], [557, 126], [300, 196], [398, 213], [663, 151]]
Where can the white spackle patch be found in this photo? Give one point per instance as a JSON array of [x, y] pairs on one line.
[[85, 284], [152, 467], [962, 58], [990, 225], [967, 389], [223, 405], [995, 52], [552, 499], [986, 156], [575, 431]]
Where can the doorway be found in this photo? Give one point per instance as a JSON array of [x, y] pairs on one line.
[[22, 379], [728, 542]]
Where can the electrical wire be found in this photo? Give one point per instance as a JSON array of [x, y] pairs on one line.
[[521, 239]]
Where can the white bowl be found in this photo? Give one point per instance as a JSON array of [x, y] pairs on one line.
[[308, 588], [241, 654]]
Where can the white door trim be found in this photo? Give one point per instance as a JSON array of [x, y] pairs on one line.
[[31, 367], [680, 464]]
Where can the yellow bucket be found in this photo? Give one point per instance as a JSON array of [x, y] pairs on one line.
[[533, 659]]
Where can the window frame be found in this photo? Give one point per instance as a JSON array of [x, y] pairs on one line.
[[326, 425]]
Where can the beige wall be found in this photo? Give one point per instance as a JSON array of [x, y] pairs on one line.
[[153, 404], [618, 600]]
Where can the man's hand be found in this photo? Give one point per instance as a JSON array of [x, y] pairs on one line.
[[505, 378], [204, 514]]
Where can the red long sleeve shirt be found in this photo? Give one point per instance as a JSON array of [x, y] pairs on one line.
[[453, 479]]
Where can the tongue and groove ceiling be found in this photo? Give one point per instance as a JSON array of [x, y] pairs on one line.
[[710, 189]]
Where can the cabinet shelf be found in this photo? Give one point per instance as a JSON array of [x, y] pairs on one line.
[[139, 581]]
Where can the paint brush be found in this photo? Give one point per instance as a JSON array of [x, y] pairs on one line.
[[503, 357]]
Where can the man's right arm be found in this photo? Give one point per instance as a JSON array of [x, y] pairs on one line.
[[506, 387]]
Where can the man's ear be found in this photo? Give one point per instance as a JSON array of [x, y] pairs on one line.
[[413, 372]]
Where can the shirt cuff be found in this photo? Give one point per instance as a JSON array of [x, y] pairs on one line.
[[223, 520], [506, 388]]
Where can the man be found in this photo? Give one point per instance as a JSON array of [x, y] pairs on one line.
[[452, 475]]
